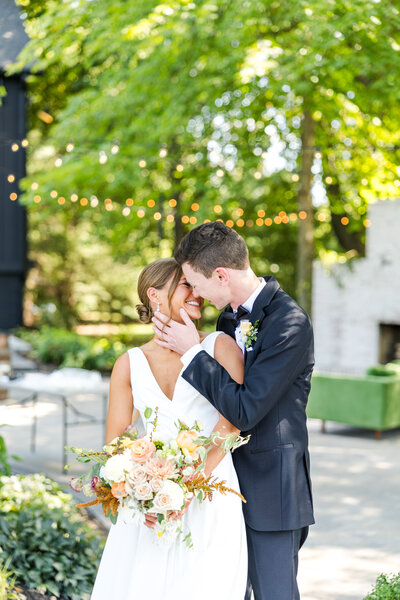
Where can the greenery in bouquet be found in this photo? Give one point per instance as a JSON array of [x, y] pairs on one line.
[[154, 473]]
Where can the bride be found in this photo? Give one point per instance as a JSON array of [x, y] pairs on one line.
[[134, 564]]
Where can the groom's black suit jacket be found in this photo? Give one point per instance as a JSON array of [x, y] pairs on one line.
[[273, 468]]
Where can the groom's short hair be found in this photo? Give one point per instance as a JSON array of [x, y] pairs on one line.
[[212, 245]]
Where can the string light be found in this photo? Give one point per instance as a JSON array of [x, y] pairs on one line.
[[229, 223], [277, 220], [302, 215], [179, 168], [58, 162], [344, 221], [74, 197], [142, 163], [261, 213], [34, 186], [172, 202], [61, 200], [53, 194], [218, 209], [129, 201], [185, 219], [151, 203], [293, 217], [37, 199], [11, 178], [195, 206], [126, 211], [240, 223], [24, 143], [69, 147], [259, 222], [295, 177], [163, 153], [84, 202], [141, 213], [157, 216], [170, 218], [268, 221], [14, 147], [13, 196]]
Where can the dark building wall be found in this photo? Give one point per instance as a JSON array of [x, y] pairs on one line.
[[13, 261]]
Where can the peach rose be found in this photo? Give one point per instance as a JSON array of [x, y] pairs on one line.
[[161, 468], [143, 491], [142, 449], [170, 497], [185, 440], [118, 490], [156, 484], [136, 476]]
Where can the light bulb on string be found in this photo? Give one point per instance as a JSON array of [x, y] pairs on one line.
[[163, 153], [69, 147], [103, 158], [114, 149], [11, 178], [24, 143], [58, 162], [141, 213], [14, 147]]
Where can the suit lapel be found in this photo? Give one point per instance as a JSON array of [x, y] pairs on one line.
[[259, 311]]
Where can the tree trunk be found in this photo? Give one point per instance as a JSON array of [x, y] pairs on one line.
[[305, 245]]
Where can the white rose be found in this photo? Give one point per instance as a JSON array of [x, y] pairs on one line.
[[188, 471], [116, 468], [170, 497]]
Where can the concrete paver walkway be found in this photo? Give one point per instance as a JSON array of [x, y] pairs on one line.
[[356, 482]]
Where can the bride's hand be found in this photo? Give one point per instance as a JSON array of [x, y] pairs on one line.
[[178, 337], [177, 514], [150, 520]]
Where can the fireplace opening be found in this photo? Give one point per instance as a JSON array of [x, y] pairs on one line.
[[389, 343]]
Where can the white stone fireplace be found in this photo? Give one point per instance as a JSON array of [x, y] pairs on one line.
[[356, 308]]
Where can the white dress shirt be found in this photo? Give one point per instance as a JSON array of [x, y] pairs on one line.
[[248, 305]]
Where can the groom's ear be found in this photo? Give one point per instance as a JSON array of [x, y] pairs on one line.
[[221, 276]]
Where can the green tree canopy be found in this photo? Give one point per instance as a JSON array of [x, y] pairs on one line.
[[150, 117]]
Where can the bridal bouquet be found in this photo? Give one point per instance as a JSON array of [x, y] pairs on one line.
[[135, 475]]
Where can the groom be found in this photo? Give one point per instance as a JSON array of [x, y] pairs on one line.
[[277, 341]]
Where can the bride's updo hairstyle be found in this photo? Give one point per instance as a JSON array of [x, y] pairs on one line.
[[156, 275]]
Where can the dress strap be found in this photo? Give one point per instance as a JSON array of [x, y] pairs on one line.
[[209, 342]]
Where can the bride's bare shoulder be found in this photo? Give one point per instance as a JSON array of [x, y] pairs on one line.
[[121, 367]]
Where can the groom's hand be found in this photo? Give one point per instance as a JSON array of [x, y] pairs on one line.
[[178, 337]]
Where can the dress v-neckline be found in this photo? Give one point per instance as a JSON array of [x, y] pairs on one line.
[[156, 382]]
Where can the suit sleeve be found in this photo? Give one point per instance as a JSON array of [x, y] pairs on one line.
[[283, 355]]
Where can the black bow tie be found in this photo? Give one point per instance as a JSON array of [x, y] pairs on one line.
[[237, 316]]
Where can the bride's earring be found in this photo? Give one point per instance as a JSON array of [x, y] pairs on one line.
[[158, 307]]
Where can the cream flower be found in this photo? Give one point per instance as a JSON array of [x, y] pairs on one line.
[[170, 497]]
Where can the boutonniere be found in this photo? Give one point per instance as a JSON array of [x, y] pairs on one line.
[[249, 333]]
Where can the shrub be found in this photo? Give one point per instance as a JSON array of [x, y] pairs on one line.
[[68, 349], [387, 587], [49, 545]]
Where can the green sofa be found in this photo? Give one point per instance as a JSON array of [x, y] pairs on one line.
[[368, 401]]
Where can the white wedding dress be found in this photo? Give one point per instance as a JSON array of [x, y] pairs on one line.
[[135, 564]]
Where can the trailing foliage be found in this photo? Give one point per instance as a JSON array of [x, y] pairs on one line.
[[48, 543], [387, 587]]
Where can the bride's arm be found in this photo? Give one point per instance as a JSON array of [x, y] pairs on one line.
[[120, 407], [230, 356]]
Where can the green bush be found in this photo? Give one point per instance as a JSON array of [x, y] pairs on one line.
[[68, 349], [387, 587], [47, 542]]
